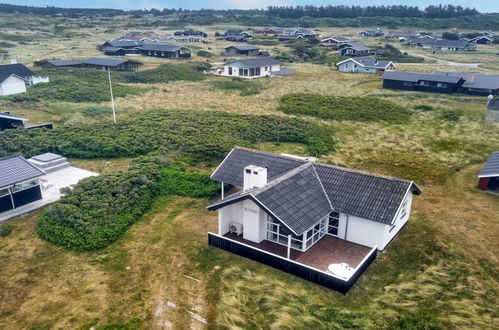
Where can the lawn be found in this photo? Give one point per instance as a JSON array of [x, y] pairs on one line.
[[440, 272]]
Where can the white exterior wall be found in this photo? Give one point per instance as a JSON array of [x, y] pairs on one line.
[[263, 72], [12, 85], [252, 222], [227, 214], [351, 66], [246, 212], [365, 232], [400, 221]]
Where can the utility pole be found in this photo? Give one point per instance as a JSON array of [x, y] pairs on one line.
[[112, 98]]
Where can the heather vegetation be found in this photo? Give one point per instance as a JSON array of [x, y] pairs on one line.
[[80, 85], [199, 135], [367, 108]]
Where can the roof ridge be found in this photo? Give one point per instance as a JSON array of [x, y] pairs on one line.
[[282, 178], [271, 154]]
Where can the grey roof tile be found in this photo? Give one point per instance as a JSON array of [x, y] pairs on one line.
[[15, 169], [491, 167], [104, 61], [256, 62], [19, 70], [357, 193]]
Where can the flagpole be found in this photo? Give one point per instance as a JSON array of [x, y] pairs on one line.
[[112, 98]]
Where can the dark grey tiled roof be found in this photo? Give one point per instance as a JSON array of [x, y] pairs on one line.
[[414, 77], [162, 48], [491, 105], [256, 62], [64, 62], [243, 47], [491, 168], [352, 192], [296, 198], [450, 43], [10, 116], [482, 81], [125, 43], [369, 61], [15, 169], [104, 61], [15, 69]]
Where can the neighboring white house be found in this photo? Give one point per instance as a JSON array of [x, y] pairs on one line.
[[296, 202], [366, 64], [252, 67], [14, 76], [12, 84]]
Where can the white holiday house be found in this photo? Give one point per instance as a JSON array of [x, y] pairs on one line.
[[15, 78], [252, 67], [314, 214]]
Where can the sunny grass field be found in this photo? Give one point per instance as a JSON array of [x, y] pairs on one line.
[[440, 272]]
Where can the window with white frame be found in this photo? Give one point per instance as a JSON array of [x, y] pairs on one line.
[[25, 185], [276, 232], [334, 223], [4, 192], [442, 85], [316, 233]]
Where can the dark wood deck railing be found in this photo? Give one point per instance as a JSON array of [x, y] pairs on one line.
[[289, 266]]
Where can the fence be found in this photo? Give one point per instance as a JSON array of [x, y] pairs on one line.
[[289, 266]]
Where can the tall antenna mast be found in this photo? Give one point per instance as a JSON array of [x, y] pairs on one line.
[[112, 98]]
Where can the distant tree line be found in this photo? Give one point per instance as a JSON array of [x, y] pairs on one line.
[[440, 11]]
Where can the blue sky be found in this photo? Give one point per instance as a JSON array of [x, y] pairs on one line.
[[481, 5]]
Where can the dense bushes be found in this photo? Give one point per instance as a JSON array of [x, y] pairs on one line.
[[204, 53], [5, 230], [245, 87], [198, 134], [366, 108], [177, 182], [100, 209], [91, 85]]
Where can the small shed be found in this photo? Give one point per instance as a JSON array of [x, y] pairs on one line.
[[19, 182], [489, 175]]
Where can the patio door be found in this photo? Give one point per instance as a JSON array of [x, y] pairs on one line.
[[334, 224]]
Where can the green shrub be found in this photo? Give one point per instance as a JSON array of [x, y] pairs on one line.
[[367, 108], [423, 107], [5, 230], [176, 182], [196, 134], [96, 110], [245, 87], [204, 53], [450, 115], [100, 209], [263, 42], [90, 85]]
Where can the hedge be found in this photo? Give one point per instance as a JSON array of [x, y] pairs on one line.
[[367, 108], [196, 134]]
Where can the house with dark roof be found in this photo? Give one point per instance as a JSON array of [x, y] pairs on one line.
[[402, 35], [489, 175], [15, 78], [19, 183], [492, 113], [252, 67], [241, 50], [121, 46], [476, 84], [374, 33], [113, 64], [165, 51], [328, 219], [10, 121], [237, 36], [354, 48], [453, 45], [423, 82], [482, 40], [334, 42], [189, 33], [50, 64], [366, 64]]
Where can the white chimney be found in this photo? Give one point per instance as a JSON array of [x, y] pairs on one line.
[[254, 177], [13, 61]]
